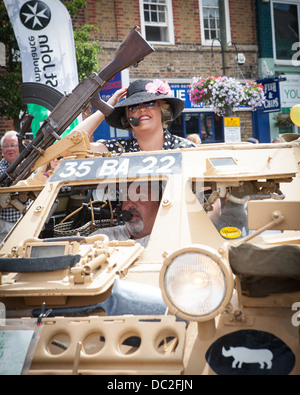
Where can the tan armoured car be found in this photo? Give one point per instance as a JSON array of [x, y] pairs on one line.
[[216, 291]]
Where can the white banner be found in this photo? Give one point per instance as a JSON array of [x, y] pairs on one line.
[[44, 33]]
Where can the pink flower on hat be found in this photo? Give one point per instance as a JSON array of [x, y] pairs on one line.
[[159, 86]]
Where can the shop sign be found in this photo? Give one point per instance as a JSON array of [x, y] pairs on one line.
[[232, 130], [111, 87], [272, 95], [290, 90]]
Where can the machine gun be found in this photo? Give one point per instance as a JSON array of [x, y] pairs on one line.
[[131, 51]]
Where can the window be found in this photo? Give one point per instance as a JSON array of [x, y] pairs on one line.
[[285, 28], [210, 21], [157, 21], [208, 126]]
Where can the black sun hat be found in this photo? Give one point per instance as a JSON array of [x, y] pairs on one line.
[[142, 91]]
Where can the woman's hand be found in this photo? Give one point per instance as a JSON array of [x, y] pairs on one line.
[[117, 96]]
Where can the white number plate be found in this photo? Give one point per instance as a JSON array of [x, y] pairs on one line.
[[121, 166]]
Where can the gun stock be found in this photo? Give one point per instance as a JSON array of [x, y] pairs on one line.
[[131, 51]]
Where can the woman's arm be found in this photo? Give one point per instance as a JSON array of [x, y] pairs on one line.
[[89, 124]]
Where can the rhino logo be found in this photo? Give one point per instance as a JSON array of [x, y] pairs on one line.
[[246, 355], [250, 352]]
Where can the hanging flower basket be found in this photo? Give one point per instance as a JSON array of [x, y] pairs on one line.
[[225, 94]]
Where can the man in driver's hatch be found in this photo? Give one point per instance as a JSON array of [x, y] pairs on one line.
[[140, 202]]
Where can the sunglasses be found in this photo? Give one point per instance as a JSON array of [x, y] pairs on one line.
[[149, 104]]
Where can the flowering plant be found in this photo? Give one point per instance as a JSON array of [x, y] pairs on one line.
[[254, 94], [224, 93], [159, 86]]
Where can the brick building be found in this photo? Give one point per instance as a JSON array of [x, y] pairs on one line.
[[184, 34]]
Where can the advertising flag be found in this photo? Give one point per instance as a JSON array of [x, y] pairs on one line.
[[45, 37]]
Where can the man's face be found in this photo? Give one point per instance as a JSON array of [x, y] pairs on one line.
[[143, 207], [10, 149]]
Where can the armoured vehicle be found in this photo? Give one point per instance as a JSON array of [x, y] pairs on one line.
[[216, 290]]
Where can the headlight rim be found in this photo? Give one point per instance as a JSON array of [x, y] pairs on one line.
[[223, 263]]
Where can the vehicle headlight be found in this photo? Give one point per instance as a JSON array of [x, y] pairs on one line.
[[196, 283]]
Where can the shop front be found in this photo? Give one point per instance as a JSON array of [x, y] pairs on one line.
[[282, 93], [196, 119]]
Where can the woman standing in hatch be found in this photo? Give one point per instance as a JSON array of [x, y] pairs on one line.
[[146, 111]]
